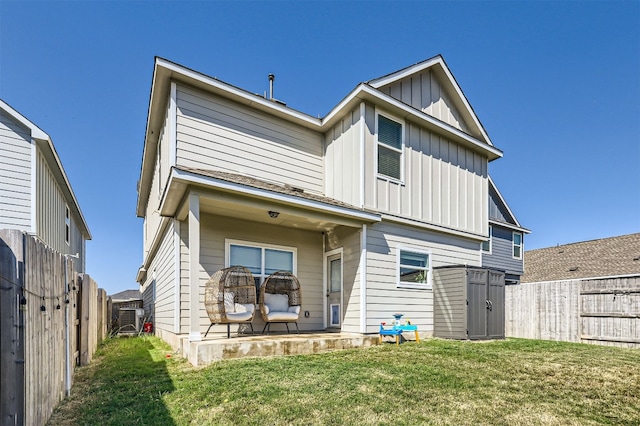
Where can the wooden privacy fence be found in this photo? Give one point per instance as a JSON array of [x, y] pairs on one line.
[[51, 320], [603, 311]]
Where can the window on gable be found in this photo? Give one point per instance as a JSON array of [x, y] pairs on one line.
[[389, 147], [517, 245], [414, 269], [261, 260], [67, 225], [486, 245]]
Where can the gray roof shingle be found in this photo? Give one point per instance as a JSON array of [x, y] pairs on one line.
[[588, 259]]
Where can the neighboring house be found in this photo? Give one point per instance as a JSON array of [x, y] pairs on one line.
[[35, 193], [360, 204], [603, 258], [504, 249], [123, 299]]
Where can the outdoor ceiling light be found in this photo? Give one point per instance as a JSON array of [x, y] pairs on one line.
[[273, 214]]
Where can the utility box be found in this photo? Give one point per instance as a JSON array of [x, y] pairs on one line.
[[468, 303]]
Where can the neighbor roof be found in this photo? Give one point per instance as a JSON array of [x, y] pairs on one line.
[[607, 257], [126, 295]]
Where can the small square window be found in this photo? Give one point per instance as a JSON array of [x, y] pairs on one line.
[[414, 269], [67, 225]]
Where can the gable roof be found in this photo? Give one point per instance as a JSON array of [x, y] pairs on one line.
[[438, 65], [166, 72], [126, 295], [605, 257], [53, 160], [508, 220]]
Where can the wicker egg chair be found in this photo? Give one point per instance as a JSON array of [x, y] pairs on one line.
[[280, 300], [230, 297]]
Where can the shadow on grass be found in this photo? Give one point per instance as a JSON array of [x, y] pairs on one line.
[[124, 385]]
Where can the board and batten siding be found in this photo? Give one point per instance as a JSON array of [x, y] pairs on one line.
[[383, 296], [349, 240], [161, 276], [15, 175], [423, 91], [501, 256], [215, 230], [444, 183], [217, 134], [50, 215], [342, 159]]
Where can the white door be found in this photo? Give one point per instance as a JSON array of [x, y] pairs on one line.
[[334, 292]]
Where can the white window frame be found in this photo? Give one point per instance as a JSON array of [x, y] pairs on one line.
[[514, 245], [263, 246], [490, 242], [421, 286], [401, 150], [67, 225]]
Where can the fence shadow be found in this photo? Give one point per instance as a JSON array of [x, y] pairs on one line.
[[123, 386]]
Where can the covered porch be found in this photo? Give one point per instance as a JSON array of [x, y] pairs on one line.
[[222, 215]]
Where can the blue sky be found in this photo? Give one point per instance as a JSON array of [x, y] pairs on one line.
[[555, 84]]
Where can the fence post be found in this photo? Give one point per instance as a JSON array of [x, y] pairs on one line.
[[12, 328]]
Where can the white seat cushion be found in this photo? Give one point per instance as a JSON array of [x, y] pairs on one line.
[[239, 317], [283, 316], [276, 302]]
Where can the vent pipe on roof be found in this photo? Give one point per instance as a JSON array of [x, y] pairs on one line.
[[271, 78]]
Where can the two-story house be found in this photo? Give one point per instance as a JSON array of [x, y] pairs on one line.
[[360, 205], [35, 193]]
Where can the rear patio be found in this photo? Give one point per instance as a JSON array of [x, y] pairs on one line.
[[218, 347]]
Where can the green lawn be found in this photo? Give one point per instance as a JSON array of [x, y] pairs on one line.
[[131, 381]]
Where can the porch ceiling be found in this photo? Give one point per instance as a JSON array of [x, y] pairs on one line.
[[221, 195]]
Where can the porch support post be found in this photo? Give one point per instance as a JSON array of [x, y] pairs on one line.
[[363, 279], [194, 268]]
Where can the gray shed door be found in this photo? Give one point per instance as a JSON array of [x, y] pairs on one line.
[[485, 291], [477, 310], [495, 314]]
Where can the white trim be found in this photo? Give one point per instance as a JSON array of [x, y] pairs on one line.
[[34, 187], [521, 245], [362, 151], [194, 267], [228, 242], [176, 276], [67, 224], [420, 286], [325, 282], [173, 125], [431, 227], [188, 177], [400, 121], [363, 279], [509, 226], [490, 251], [517, 224]]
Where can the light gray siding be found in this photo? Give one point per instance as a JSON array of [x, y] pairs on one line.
[[450, 303], [501, 256], [343, 151], [159, 288], [444, 183], [216, 134], [383, 296], [214, 230], [349, 240], [15, 175], [424, 91]]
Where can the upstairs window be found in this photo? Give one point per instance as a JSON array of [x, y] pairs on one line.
[[67, 225], [389, 148], [486, 245], [414, 269], [517, 245]]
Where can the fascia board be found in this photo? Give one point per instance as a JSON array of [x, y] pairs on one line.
[[504, 203], [432, 227], [405, 72], [510, 226], [181, 177], [405, 111], [36, 132]]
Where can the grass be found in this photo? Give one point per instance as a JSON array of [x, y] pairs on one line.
[[512, 382]]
